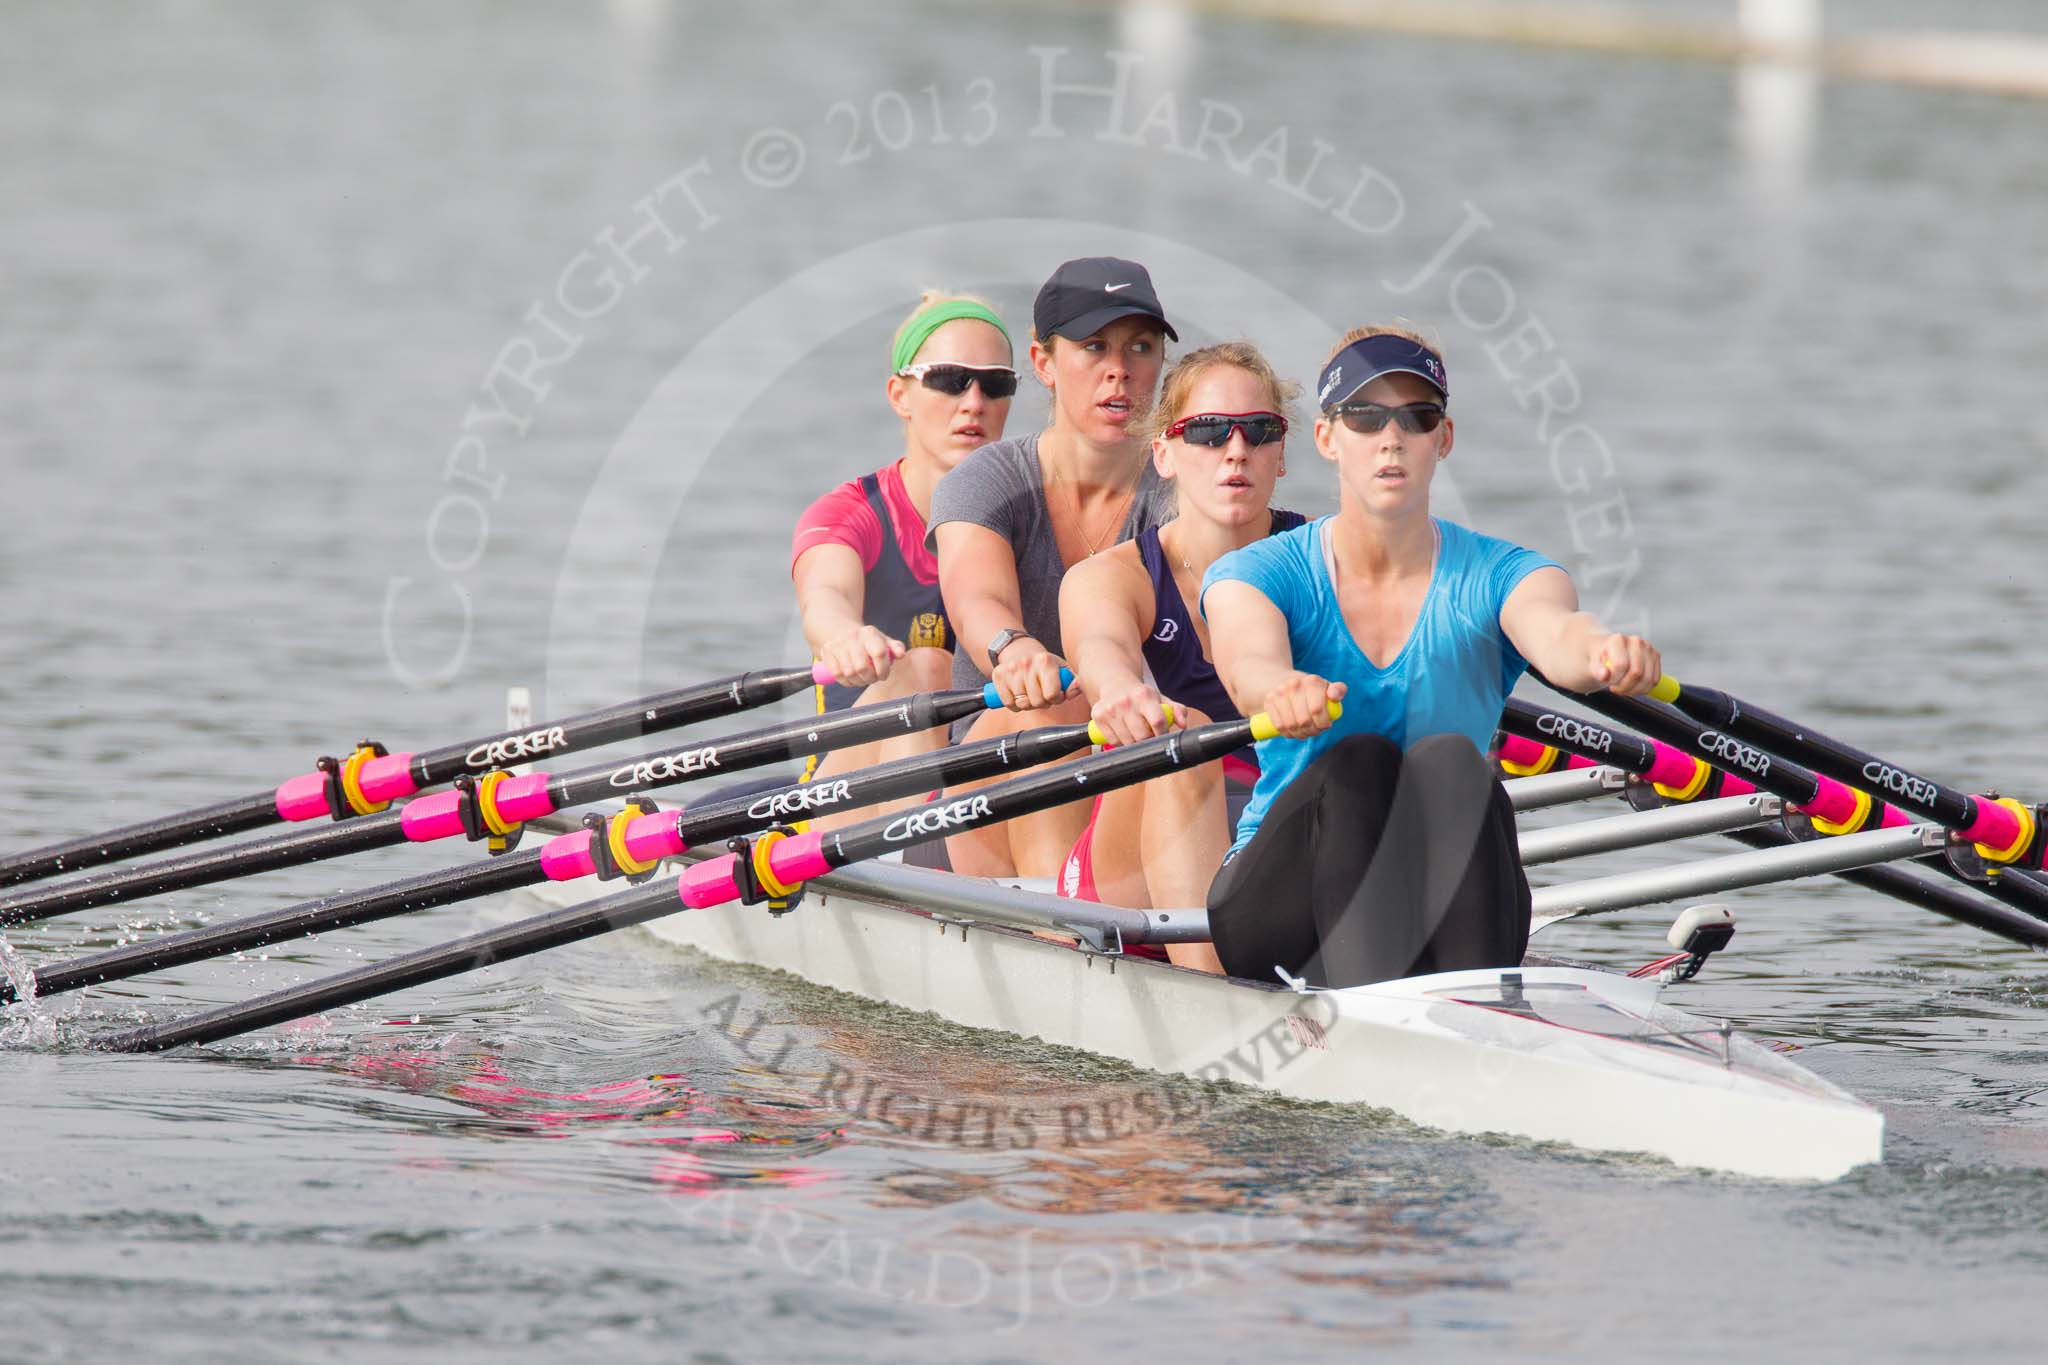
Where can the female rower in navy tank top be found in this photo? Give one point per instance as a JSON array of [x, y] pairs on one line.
[[1219, 433], [1381, 843], [867, 586]]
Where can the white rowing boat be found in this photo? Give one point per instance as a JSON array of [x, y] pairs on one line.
[[1552, 1052]]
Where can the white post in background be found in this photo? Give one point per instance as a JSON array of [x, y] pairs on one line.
[[519, 716], [1777, 93], [1788, 30]]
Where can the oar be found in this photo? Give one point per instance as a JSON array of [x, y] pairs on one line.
[[2004, 832], [772, 863], [644, 838], [494, 806], [1674, 773], [1850, 809], [369, 779], [1680, 775]]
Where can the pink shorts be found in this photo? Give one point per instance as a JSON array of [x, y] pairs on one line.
[[1077, 874], [1077, 880]]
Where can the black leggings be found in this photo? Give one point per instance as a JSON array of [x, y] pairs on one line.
[[1375, 864]]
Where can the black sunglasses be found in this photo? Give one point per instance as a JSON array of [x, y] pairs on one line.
[[1215, 428], [997, 381], [1367, 418]]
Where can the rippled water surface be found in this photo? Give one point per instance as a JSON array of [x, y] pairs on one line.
[[344, 382]]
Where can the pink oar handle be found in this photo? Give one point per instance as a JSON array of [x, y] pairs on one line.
[[1998, 827], [439, 816], [1669, 767], [1840, 804], [649, 838], [1527, 753], [712, 882], [1674, 767], [382, 779]]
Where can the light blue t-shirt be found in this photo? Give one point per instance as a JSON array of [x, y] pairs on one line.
[[1451, 677]]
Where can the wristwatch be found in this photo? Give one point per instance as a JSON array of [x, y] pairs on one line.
[[1001, 641]]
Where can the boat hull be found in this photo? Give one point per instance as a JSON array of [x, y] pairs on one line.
[[1555, 1054]]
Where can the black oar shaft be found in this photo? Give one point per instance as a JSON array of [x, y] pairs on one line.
[[795, 739], [712, 882], [1574, 735], [2023, 890], [1764, 771], [201, 869], [1003, 801], [709, 823], [147, 836], [502, 944], [627, 720], [386, 830], [1909, 791], [698, 826], [445, 887], [1782, 777]]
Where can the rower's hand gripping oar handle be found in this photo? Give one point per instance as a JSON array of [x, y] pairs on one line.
[[1262, 724], [995, 698], [1263, 728]]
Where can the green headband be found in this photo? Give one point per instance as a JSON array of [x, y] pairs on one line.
[[914, 336]]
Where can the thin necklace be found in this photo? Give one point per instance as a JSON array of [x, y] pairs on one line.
[[1080, 521], [1182, 556]]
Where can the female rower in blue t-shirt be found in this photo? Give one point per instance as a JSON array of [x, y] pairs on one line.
[[1381, 845]]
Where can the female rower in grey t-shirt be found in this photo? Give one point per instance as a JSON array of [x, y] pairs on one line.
[[1011, 518]]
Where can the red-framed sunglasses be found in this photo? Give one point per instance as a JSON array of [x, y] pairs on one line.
[[1215, 428]]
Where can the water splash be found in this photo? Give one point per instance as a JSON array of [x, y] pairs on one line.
[[27, 1025]]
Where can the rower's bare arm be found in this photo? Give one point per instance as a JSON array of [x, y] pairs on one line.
[[1106, 610], [978, 580], [831, 593], [1571, 647], [1248, 636]]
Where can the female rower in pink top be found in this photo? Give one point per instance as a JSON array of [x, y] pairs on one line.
[[867, 586], [1219, 435]]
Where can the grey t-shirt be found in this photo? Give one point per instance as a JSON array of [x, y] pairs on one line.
[[1001, 486]]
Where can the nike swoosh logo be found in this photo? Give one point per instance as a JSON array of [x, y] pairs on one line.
[[1112, 288]]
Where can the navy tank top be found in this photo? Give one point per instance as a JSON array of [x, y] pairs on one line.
[[893, 600], [1173, 651]]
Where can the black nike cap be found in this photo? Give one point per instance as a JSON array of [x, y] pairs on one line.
[[1083, 297]]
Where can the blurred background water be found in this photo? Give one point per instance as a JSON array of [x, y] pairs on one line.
[[337, 392]]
